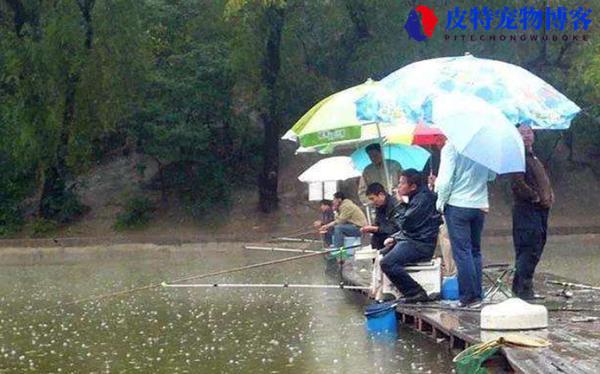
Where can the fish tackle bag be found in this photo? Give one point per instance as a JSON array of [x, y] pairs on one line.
[[470, 360]]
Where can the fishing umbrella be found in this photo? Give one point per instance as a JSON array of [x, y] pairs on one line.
[[333, 123], [520, 95], [408, 156], [416, 135], [480, 132], [330, 169]]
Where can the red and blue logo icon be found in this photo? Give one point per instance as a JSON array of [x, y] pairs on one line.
[[422, 28]]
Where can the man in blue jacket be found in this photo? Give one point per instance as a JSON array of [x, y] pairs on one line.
[[417, 238]]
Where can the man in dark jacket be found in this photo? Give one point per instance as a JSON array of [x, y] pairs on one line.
[[387, 212], [417, 238], [533, 198]]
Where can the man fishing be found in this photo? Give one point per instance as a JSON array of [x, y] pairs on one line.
[[417, 238], [387, 210], [348, 222]]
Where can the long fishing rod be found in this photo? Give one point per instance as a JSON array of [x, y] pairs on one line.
[[280, 249], [301, 240], [417, 307], [206, 275], [573, 285], [297, 233], [263, 285]]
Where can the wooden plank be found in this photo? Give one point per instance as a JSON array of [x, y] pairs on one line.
[[575, 343]]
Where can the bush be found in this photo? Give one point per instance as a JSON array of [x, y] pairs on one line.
[[42, 227], [11, 219], [16, 182], [136, 214]]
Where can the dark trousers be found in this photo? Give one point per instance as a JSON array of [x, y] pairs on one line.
[[464, 230], [405, 252], [530, 226], [377, 240]]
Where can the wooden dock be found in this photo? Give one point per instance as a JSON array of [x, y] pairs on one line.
[[574, 327]]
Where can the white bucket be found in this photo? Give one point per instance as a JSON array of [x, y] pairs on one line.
[[352, 241]]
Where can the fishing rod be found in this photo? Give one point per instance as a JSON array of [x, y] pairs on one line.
[[567, 285], [298, 233], [206, 275], [436, 307], [478, 309], [280, 249], [341, 286], [301, 240]]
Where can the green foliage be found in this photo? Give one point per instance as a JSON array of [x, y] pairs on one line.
[[10, 200], [42, 227], [136, 213], [183, 81], [63, 206]]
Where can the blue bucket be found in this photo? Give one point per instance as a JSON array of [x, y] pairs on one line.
[[450, 288], [381, 318]]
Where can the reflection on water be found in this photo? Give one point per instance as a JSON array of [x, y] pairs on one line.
[[195, 330], [575, 257]]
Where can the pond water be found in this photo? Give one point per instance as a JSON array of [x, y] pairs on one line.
[[195, 330]]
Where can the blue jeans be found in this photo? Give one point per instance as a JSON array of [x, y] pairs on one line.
[[405, 252], [464, 229], [343, 230], [328, 237]]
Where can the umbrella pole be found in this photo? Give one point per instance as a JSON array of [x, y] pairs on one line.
[[385, 166]]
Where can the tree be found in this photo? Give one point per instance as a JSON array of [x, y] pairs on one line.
[[63, 90]]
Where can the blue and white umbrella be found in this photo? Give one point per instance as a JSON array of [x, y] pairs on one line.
[[479, 131], [520, 95], [408, 156]]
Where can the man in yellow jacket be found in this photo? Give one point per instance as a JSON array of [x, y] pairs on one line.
[[349, 220]]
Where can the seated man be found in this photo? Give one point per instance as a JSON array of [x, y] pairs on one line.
[[348, 222], [387, 210], [416, 240], [327, 216]]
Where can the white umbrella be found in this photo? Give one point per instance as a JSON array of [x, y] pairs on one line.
[[479, 131], [330, 169]]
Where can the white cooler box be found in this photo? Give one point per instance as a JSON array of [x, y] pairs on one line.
[[428, 275]]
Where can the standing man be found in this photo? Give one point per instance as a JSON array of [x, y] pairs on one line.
[[387, 211], [417, 237], [348, 222], [375, 172], [533, 197], [462, 191]]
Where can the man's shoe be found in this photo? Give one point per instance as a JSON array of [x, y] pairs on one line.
[[388, 297], [532, 297], [419, 297], [474, 303]]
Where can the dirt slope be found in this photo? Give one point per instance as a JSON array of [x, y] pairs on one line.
[[106, 187]]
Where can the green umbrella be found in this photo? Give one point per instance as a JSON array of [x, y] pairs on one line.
[[332, 123]]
